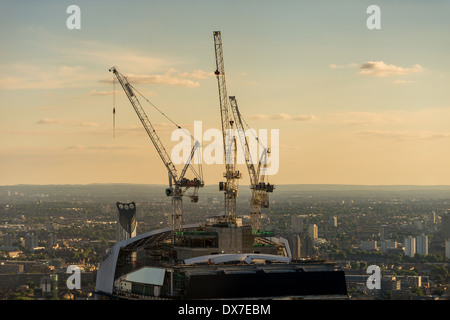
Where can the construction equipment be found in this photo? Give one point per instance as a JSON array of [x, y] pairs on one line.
[[232, 175], [260, 188], [178, 185]]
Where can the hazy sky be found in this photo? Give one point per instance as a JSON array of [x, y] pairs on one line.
[[352, 105]]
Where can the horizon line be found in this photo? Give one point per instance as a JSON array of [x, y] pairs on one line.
[[284, 184]]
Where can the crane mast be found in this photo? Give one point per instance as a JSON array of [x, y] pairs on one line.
[[232, 176], [259, 187], [176, 183]]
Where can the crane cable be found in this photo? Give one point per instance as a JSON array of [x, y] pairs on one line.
[[259, 142], [167, 117], [114, 107], [198, 175]]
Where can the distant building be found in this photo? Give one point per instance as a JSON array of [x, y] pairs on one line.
[[49, 286], [8, 240], [446, 226], [422, 245], [418, 225], [313, 231], [410, 282], [297, 224], [410, 246], [384, 232], [447, 249], [432, 217], [390, 283], [334, 221], [296, 246], [51, 240], [368, 245], [307, 248], [126, 226], [31, 241], [388, 245]]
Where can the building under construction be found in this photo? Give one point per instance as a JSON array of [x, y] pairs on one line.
[[219, 258], [214, 260]]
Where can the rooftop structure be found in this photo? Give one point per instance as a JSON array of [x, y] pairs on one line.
[[213, 261]]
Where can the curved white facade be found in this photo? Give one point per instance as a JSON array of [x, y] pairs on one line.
[[106, 270]]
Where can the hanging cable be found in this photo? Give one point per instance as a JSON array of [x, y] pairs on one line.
[[114, 107], [197, 174]]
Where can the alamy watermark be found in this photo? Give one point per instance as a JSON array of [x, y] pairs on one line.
[[374, 20], [374, 280], [74, 281], [74, 20], [213, 151]]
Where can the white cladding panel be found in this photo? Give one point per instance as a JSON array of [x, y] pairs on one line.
[[147, 275]]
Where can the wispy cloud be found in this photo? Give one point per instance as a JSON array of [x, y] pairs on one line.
[[400, 81], [83, 69], [49, 121], [350, 65], [356, 118], [282, 116], [197, 74], [103, 93], [104, 147], [405, 135], [307, 117], [381, 69], [94, 93], [170, 77], [163, 80], [28, 76]]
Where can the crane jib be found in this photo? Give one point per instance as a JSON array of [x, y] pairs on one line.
[[175, 192]]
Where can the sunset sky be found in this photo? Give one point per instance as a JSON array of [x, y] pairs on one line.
[[352, 105]]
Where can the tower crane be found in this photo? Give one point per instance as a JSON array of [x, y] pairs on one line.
[[260, 189], [231, 174], [178, 185]]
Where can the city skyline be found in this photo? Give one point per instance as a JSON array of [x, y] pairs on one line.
[[353, 105]]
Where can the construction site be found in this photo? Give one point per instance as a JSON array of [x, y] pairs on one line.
[[220, 257]]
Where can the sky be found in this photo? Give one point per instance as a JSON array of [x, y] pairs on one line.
[[352, 105]]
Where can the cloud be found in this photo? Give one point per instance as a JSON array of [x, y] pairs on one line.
[[104, 147], [85, 58], [355, 118], [169, 77], [44, 77], [334, 66], [162, 79], [51, 121], [103, 93], [399, 81], [307, 117], [405, 135], [381, 69], [282, 116], [48, 121], [87, 124], [197, 74]]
